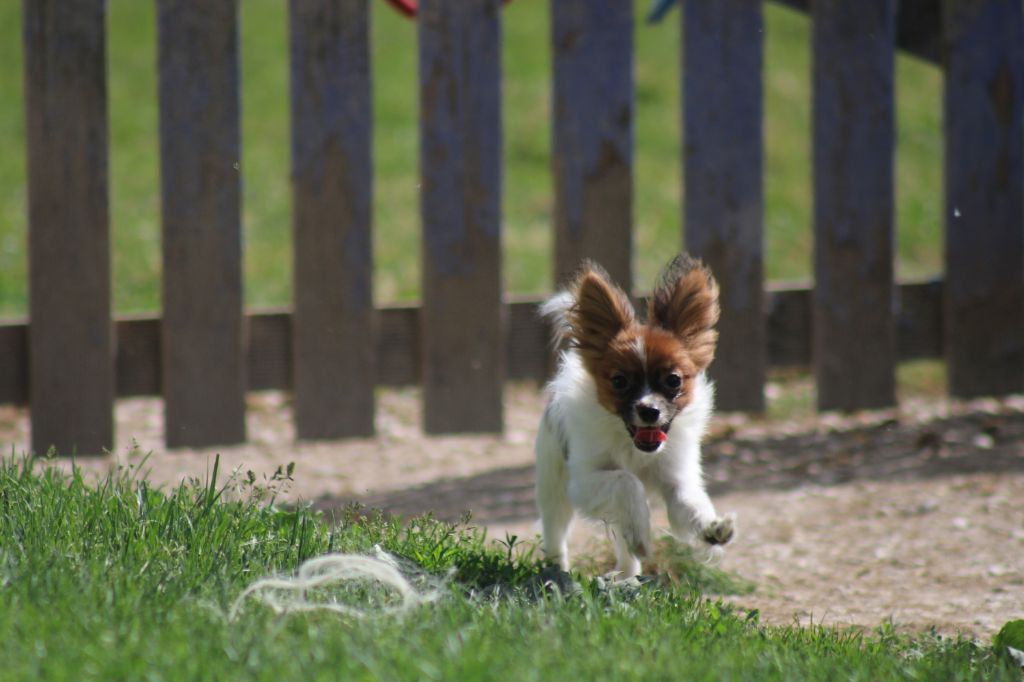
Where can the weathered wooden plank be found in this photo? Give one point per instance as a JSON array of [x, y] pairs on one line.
[[203, 356], [854, 144], [333, 361], [984, 131], [789, 320], [722, 159], [398, 343], [13, 363], [460, 170], [788, 326], [787, 310], [398, 346], [269, 360], [70, 351], [138, 356], [528, 343], [592, 132], [919, 321]]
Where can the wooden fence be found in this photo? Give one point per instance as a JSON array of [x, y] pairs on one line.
[[466, 338]]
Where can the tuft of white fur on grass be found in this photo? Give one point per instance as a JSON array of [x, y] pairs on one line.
[[353, 585]]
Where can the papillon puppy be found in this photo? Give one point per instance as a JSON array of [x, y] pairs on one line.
[[627, 410]]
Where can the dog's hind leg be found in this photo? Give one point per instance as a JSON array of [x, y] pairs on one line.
[[626, 564], [618, 498], [552, 494]]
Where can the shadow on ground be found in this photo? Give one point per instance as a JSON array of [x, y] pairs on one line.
[[886, 451]]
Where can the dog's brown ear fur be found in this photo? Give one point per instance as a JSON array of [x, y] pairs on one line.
[[685, 303], [601, 310]]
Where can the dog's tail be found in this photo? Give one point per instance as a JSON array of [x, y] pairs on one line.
[[556, 311]]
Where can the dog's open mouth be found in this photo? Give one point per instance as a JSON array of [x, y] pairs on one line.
[[648, 438]]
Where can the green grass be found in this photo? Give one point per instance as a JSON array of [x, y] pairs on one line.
[[791, 392], [527, 194], [117, 580]]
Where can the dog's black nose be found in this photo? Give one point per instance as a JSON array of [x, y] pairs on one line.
[[648, 414]]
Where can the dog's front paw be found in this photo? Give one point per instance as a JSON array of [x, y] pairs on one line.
[[721, 530]]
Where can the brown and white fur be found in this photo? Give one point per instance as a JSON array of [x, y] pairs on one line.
[[627, 411]]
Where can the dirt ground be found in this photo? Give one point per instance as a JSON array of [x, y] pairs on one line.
[[914, 516]]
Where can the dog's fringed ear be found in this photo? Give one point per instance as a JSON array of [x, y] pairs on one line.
[[601, 310], [685, 302]]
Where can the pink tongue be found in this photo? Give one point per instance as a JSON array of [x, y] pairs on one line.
[[650, 436]]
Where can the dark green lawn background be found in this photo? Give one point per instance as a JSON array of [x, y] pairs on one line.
[[134, 182]]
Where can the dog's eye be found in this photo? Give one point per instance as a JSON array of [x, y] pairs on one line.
[[620, 382], [673, 381]]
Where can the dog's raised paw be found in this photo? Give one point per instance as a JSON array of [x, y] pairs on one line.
[[720, 531]]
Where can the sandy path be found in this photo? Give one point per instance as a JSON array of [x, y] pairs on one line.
[[915, 517]]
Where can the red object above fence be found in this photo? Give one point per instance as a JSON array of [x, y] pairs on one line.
[[411, 7]]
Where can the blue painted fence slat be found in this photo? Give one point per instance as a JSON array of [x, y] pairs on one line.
[[722, 159], [854, 331], [593, 135], [70, 341], [333, 352], [984, 212], [460, 169], [203, 361]]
